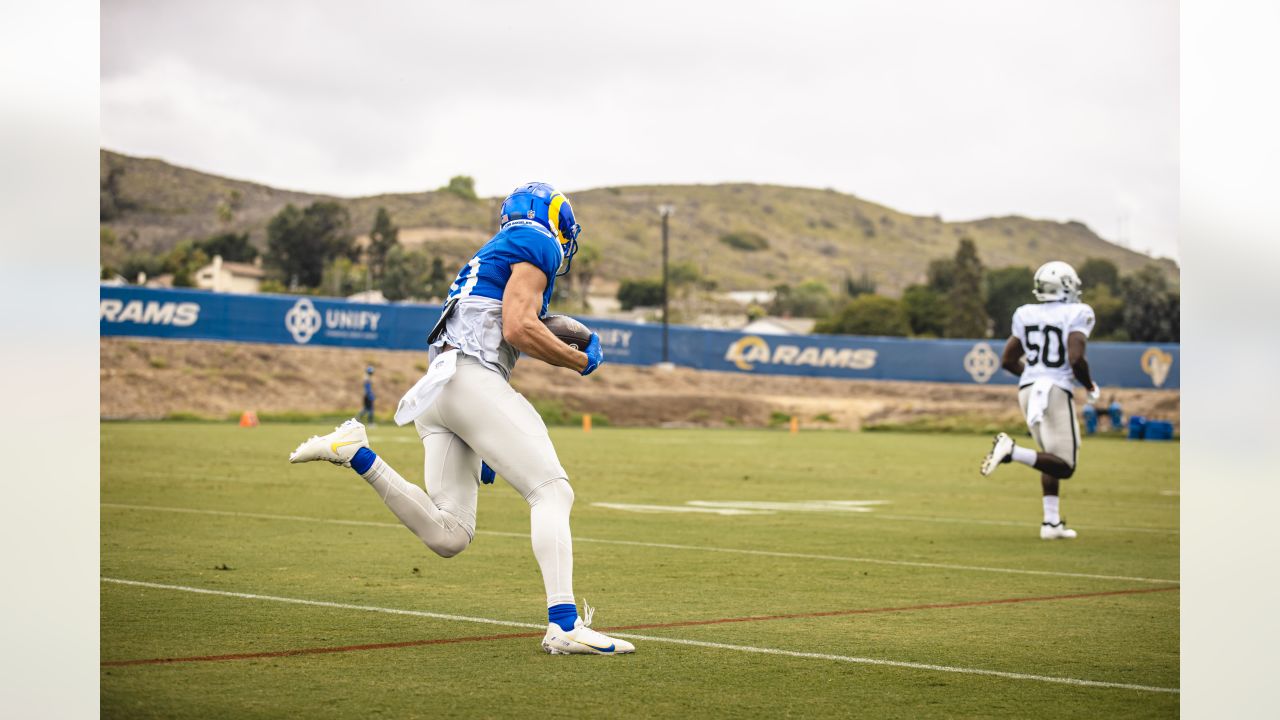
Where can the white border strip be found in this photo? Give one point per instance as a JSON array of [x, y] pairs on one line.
[[652, 638], [668, 546]]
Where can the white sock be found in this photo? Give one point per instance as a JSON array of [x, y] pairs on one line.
[[1026, 456], [438, 529], [549, 507], [1051, 509]]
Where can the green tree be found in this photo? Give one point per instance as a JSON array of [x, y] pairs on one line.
[[1008, 288], [640, 293], [183, 261], [141, 263], [867, 315], [942, 274], [1099, 272], [233, 247], [864, 285], [437, 282], [1150, 309], [1108, 309], [926, 310], [343, 276], [382, 238], [111, 252], [406, 275], [464, 186], [300, 243], [967, 317], [811, 298], [586, 263], [227, 208]]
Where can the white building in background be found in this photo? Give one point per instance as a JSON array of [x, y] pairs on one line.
[[750, 297], [780, 326], [374, 297], [230, 277]]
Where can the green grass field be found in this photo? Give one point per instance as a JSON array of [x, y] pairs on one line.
[[1092, 630]]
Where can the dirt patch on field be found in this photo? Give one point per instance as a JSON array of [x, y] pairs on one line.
[[148, 379]]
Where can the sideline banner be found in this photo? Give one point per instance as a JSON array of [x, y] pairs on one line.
[[294, 320]]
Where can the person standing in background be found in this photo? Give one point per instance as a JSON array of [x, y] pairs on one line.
[[367, 412]]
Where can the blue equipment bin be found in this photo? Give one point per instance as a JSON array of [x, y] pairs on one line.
[[1158, 430], [1137, 427]]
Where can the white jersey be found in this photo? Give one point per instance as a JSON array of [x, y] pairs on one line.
[[475, 328], [1043, 329]]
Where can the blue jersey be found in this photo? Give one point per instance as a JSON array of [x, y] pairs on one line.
[[486, 274]]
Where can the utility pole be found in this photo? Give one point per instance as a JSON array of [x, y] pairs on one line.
[[665, 211]]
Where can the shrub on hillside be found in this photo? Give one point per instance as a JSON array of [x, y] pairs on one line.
[[746, 241], [640, 293]]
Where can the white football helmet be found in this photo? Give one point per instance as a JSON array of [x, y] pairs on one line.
[[1057, 281]]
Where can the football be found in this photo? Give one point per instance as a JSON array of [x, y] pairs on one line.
[[570, 331]]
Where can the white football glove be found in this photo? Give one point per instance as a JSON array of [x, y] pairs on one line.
[[1095, 392]]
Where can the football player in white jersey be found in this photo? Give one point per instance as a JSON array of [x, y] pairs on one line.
[[469, 418], [1047, 352]]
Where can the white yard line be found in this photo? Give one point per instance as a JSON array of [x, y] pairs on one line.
[[1012, 523], [659, 639], [669, 546]]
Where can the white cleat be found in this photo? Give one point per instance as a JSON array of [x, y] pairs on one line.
[[1001, 452], [338, 447], [1058, 531], [582, 640]]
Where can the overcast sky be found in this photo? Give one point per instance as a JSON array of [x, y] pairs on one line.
[[1057, 110]]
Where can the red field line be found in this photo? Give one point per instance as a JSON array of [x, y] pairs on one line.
[[647, 626], [905, 608], [320, 650]]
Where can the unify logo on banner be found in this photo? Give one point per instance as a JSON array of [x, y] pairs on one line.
[[753, 349], [148, 312], [981, 362], [303, 321], [618, 341]]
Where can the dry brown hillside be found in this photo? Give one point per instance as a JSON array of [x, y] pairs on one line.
[[810, 233]]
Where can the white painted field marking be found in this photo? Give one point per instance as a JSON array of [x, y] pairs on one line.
[[628, 507], [666, 546], [654, 638], [322, 603], [846, 558], [1012, 523], [859, 506]]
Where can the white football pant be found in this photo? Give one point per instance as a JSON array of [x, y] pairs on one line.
[[1057, 433], [478, 415]]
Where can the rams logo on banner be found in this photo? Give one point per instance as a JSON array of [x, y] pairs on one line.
[[747, 351], [1157, 363], [302, 321], [981, 362]]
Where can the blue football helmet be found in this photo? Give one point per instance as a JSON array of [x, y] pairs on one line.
[[549, 208]]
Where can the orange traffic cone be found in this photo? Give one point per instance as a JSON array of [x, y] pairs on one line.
[[248, 418]]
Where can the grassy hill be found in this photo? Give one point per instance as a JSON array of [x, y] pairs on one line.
[[809, 233]]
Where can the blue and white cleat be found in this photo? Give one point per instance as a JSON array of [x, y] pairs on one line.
[[582, 640], [338, 447]]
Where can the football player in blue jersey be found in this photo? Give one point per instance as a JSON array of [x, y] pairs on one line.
[[470, 418]]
